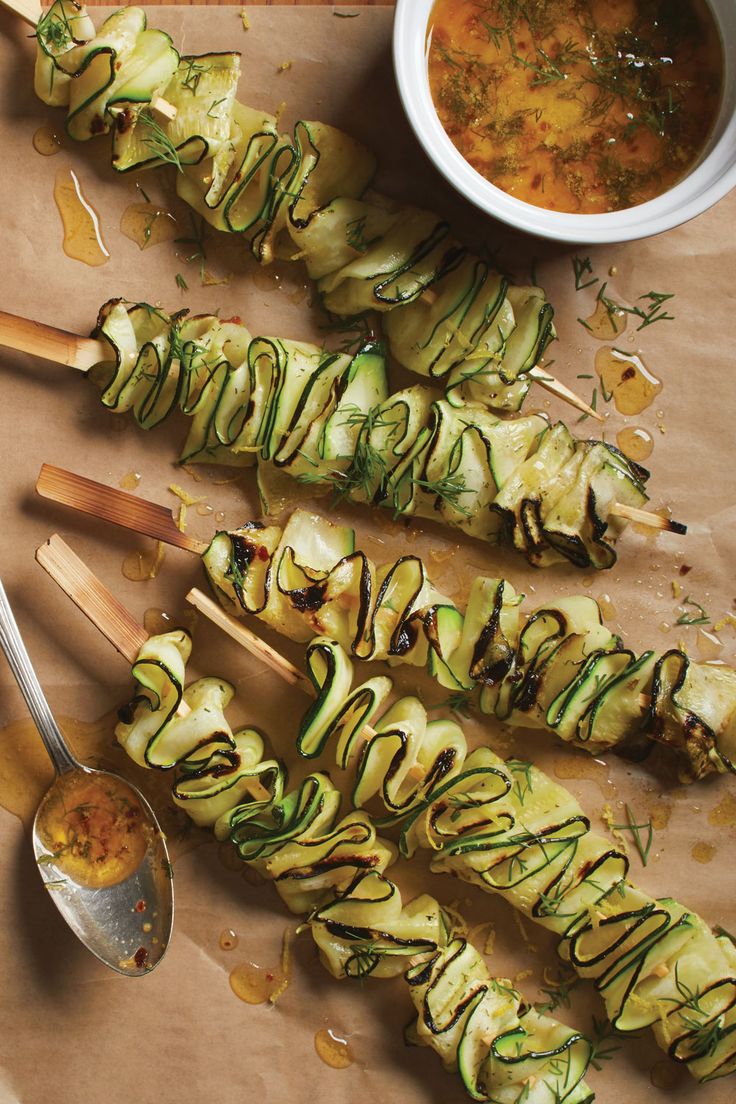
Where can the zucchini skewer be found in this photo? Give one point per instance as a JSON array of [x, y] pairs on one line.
[[330, 868], [508, 828], [297, 197], [559, 669], [327, 420]]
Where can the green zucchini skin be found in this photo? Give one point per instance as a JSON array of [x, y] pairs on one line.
[[328, 420], [331, 868], [558, 668], [448, 316]]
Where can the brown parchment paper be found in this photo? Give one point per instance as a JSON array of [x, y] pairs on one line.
[[71, 1030]]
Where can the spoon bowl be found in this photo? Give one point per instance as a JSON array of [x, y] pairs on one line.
[[122, 909], [99, 848]]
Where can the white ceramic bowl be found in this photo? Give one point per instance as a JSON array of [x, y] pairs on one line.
[[709, 181]]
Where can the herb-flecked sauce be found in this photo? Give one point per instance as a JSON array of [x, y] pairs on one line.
[[584, 106]]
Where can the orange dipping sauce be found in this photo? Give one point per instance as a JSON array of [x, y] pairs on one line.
[[582, 106]]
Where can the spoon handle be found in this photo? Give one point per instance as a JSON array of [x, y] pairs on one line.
[[19, 661]]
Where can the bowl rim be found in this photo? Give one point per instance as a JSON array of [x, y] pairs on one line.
[[704, 186]]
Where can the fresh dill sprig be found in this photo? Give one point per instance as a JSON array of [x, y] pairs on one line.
[[181, 282], [582, 267], [557, 992], [158, 141], [449, 489], [355, 235], [195, 70], [602, 1047], [458, 702], [700, 617], [630, 825]]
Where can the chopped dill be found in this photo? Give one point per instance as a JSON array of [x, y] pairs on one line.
[[181, 282], [699, 617], [158, 141], [643, 847], [582, 267]]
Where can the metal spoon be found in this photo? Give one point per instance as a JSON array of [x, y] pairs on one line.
[[127, 925]]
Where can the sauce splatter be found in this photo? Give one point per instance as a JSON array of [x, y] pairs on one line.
[[82, 234], [627, 379], [146, 224], [723, 815], [703, 852], [130, 480], [635, 442], [156, 621], [333, 1049], [570, 765], [140, 566], [257, 984], [47, 141], [228, 940]]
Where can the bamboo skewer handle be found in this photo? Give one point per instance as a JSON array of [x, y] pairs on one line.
[[49, 343], [106, 613], [126, 510], [561, 391], [646, 517], [95, 601], [27, 10]]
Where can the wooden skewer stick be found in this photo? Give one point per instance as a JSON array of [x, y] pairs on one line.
[[83, 353], [47, 342], [561, 391], [646, 517], [113, 505], [263, 651], [141, 516], [106, 613], [27, 10]]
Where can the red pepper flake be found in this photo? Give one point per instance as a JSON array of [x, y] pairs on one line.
[[537, 180], [685, 568], [235, 318], [262, 553], [140, 957], [140, 906]]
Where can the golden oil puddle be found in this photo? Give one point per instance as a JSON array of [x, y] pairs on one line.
[[703, 852], [130, 480], [666, 1075], [26, 773], [228, 939], [606, 606], [139, 566], [257, 984], [333, 1049], [660, 814], [724, 813], [570, 765], [264, 280], [47, 141], [94, 828], [156, 621], [605, 323], [635, 442], [82, 234], [626, 377], [708, 644], [147, 224]]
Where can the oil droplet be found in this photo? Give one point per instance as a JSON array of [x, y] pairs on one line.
[[228, 939], [47, 141], [300, 294], [635, 442], [255, 984], [82, 234], [626, 377], [333, 1049], [139, 566], [572, 765], [156, 621], [665, 1075], [724, 813], [146, 224], [703, 852], [220, 517], [204, 509], [130, 481], [148, 926], [606, 606], [659, 814], [709, 646], [605, 323], [264, 280]]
